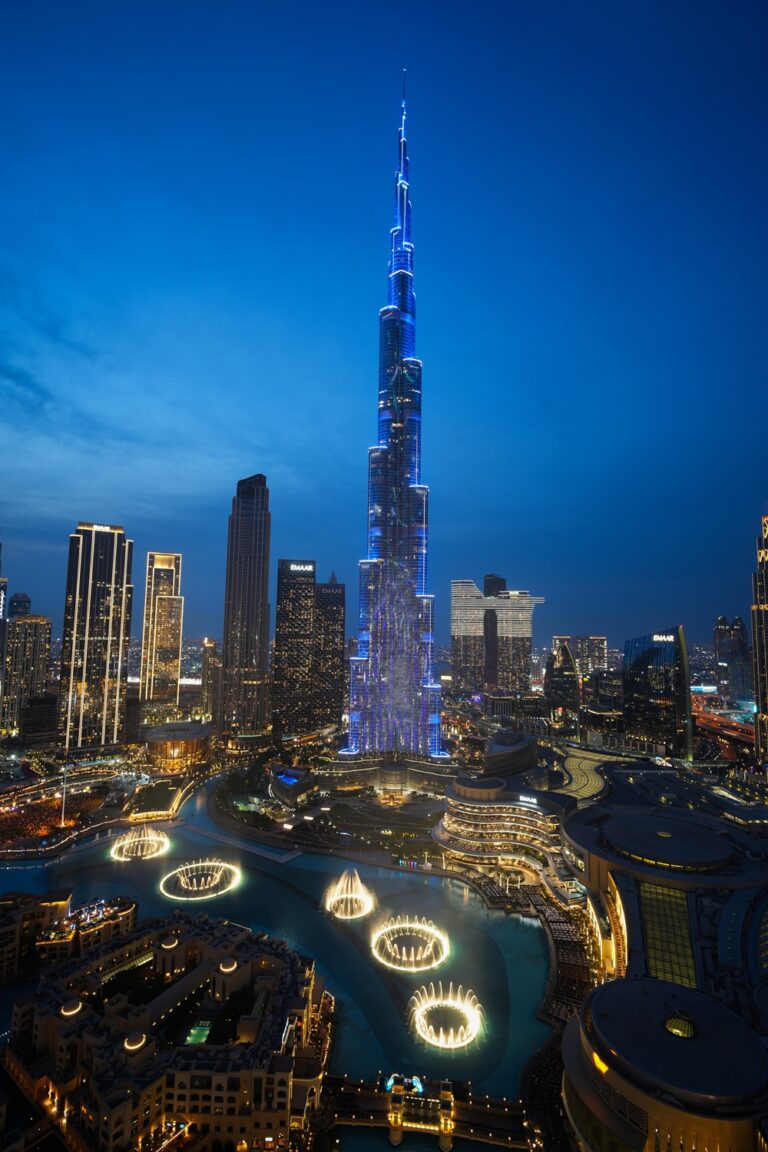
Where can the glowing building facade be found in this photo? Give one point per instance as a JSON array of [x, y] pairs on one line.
[[562, 685], [163, 623], [491, 637], [394, 700], [733, 658], [245, 647], [293, 656], [760, 644], [589, 652], [330, 601], [210, 691], [308, 657], [97, 631], [27, 652], [3, 613], [657, 691]]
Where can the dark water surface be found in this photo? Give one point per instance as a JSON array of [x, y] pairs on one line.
[[503, 959]]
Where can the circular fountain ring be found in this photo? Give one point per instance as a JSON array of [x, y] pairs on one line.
[[140, 844], [444, 1018], [348, 898], [200, 880], [410, 945]]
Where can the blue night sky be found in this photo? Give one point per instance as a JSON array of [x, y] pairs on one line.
[[194, 215]]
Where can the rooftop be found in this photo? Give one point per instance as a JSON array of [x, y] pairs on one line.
[[677, 1040]]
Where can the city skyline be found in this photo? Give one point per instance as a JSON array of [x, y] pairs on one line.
[[123, 281]]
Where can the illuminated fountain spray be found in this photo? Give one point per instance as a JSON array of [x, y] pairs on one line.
[[200, 880], [348, 898], [410, 945], [444, 1018], [140, 844]]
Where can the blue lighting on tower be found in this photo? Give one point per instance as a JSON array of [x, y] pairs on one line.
[[394, 704]]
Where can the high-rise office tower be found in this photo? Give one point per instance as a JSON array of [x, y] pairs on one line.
[[657, 691], [210, 691], [162, 629], [293, 656], [733, 658], [590, 653], [760, 644], [562, 684], [3, 614], [97, 631], [19, 605], [503, 624], [493, 584], [3, 588], [308, 658], [245, 647], [394, 700], [27, 653], [330, 606]]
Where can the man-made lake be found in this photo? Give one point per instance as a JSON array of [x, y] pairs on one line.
[[503, 959]]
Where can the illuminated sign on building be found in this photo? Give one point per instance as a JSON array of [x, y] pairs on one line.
[[528, 799], [302, 567], [659, 639]]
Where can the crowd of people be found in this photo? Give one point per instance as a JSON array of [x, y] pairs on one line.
[[25, 825]]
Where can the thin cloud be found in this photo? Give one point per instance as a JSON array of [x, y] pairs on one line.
[[18, 387]]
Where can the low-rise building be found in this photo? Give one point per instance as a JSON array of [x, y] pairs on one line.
[[179, 746], [186, 1026], [652, 1065], [23, 918], [486, 822]]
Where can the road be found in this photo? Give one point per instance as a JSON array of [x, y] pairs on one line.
[[581, 768]]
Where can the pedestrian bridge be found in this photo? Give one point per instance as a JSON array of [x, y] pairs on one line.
[[402, 1104]]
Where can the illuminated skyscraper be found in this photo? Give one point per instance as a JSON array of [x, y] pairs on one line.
[[28, 650], [293, 657], [329, 652], [308, 660], [19, 605], [3, 589], [97, 631], [657, 691], [163, 623], [733, 658], [760, 645], [210, 691], [394, 700], [3, 614], [245, 647], [493, 584], [491, 638], [590, 653], [562, 687]]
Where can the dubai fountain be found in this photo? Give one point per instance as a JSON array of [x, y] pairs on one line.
[[200, 880], [348, 898], [445, 1018], [410, 944], [140, 844]]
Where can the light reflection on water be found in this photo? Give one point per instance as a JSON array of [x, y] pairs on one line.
[[503, 959]]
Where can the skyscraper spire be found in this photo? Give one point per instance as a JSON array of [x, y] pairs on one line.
[[394, 703]]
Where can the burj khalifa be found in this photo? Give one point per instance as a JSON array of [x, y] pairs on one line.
[[394, 702]]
